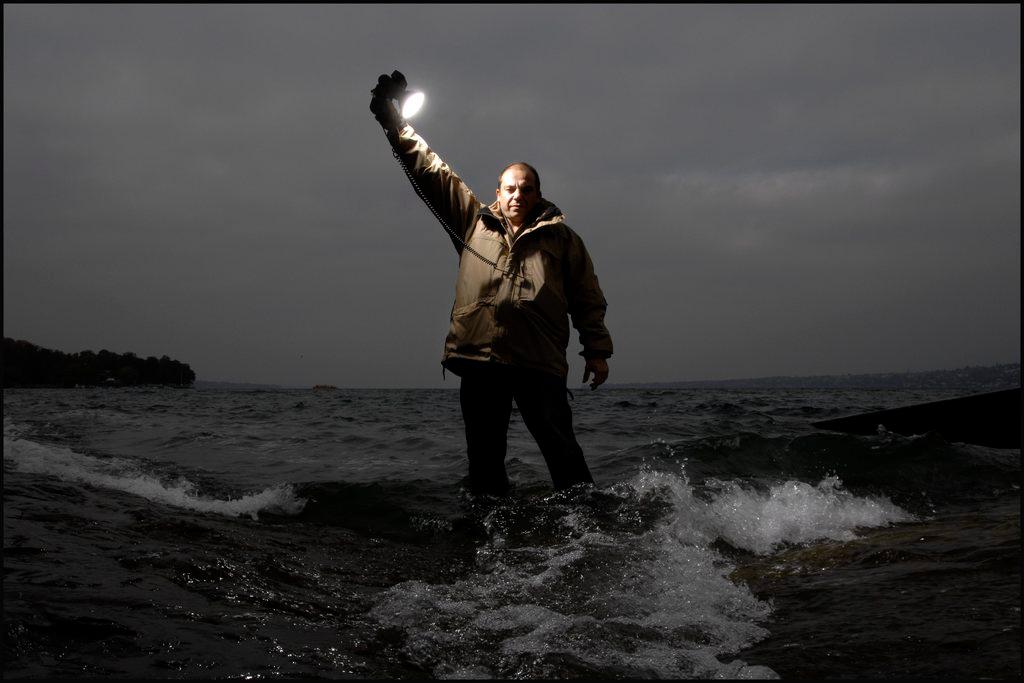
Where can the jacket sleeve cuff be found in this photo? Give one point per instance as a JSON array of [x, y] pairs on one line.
[[594, 353], [395, 135]]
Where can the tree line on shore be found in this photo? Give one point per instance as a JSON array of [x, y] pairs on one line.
[[28, 365]]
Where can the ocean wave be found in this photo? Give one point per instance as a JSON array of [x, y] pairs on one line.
[[915, 471], [562, 588], [763, 520], [566, 586], [128, 476]]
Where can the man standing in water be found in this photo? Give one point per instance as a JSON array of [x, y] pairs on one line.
[[523, 273]]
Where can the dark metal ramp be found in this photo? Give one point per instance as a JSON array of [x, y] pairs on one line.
[[992, 419]]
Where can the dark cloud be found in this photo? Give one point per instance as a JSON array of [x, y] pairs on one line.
[[765, 189]]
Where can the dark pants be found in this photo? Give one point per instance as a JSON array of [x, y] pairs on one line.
[[486, 395]]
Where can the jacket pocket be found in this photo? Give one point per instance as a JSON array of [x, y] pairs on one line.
[[477, 278], [541, 297], [472, 328], [542, 276]]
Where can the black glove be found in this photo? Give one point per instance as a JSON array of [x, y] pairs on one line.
[[388, 89]]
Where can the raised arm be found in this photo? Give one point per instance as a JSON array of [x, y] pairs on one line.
[[440, 187]]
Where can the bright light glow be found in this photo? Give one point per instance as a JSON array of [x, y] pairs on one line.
[[412, 104]]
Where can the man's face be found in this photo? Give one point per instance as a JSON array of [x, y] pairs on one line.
[[517, 194]]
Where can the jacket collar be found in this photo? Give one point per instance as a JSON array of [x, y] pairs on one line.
[[545, 214]]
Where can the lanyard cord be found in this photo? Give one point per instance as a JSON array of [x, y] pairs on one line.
[[454, 235]]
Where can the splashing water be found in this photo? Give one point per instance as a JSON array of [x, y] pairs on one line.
[[658, 603], [124, 475], [762, 521]]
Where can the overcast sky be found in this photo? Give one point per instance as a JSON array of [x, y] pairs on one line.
[[764, 189]]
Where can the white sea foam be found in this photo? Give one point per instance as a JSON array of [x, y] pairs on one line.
[[659, 603], [650, 603], [795, 512], [125, 475], [763, 520]]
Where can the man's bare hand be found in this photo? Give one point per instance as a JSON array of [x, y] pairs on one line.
[[599, 368]]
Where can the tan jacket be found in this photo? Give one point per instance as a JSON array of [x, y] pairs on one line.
[[520, 316]]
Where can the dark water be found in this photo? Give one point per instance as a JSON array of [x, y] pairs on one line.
[[214, 534]]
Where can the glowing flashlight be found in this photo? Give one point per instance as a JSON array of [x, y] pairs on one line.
[[412, 104]]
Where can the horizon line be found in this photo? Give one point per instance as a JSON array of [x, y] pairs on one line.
[[633, 383]]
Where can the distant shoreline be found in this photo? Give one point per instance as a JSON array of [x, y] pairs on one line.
[[970, 378], [245, 386], [980, 378]]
